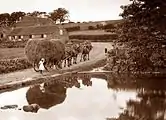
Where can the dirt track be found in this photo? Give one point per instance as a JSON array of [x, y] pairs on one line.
[[96, 54]]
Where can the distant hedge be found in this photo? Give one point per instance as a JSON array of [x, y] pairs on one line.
[[70, 29], [12, 44], [80, 41], [93, 37]]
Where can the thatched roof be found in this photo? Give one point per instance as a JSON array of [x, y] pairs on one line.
[[4, 30], [33, 21], [35, 30]]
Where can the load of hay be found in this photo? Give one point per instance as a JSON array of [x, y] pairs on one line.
[[50, 50]]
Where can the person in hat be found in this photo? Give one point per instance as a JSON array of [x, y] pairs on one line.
[[41, 65]]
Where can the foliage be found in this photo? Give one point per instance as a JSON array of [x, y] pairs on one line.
[[109, 26], [7, 19], [94, 37], [143, 31], [91, 28], [36, 13], [13, 44], [99, 26], [70, 29], [60, 14], [11, 65]]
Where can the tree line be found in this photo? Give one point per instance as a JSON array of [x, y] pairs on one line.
[[60, 14], [143, 31]]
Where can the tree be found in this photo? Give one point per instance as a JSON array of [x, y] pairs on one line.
[[15, 16], [143, 31], [36, 13], [60, 14], [4, 19]]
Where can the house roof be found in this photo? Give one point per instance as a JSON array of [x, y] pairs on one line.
[[35, 30], [33, 21], [5, 30]]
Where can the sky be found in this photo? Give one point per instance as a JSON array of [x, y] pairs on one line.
[[79, 10]]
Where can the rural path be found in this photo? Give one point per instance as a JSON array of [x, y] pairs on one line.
[[96, 54]]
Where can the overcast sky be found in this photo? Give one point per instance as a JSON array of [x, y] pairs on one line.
[[80, 10]]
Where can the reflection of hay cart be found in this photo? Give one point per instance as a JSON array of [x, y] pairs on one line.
[[53, 94]]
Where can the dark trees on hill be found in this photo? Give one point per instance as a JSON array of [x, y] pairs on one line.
[[7, 19]]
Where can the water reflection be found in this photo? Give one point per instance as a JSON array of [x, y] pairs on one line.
[[150, 92], [48, 96], [94, 96]]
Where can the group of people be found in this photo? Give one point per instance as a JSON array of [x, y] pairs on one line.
[[72, 50]]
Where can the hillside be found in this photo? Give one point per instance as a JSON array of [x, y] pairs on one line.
[[85, 25]]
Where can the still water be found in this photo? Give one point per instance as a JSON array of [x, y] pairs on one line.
[[89, 97]]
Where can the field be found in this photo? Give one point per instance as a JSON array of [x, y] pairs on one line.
[[11, 53], [96, 54], [85, 25]]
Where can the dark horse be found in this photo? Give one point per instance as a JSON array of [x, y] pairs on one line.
[[85, 51], [76, 49]]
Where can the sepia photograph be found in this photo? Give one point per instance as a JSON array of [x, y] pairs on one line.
[[83, 60]]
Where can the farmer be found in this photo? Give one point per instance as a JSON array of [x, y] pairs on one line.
[[41, 65]]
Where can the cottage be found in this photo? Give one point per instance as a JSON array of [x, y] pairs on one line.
[[34, 32], [34, 28], [4, 32]]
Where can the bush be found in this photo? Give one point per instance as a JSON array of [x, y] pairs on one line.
[[80, 41], [109, 26], [110, 30], [70, 29], [94, 37], [11, 65], [99, 26], [133, 60], [91, 28], [71, 22]]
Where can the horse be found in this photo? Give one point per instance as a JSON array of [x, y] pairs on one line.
[[76, 49], [87, 47], [68, 57], [85, 52]]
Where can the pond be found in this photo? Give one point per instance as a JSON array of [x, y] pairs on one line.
[[89, 97]]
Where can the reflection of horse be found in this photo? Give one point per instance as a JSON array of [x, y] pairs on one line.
[[86, 80]]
